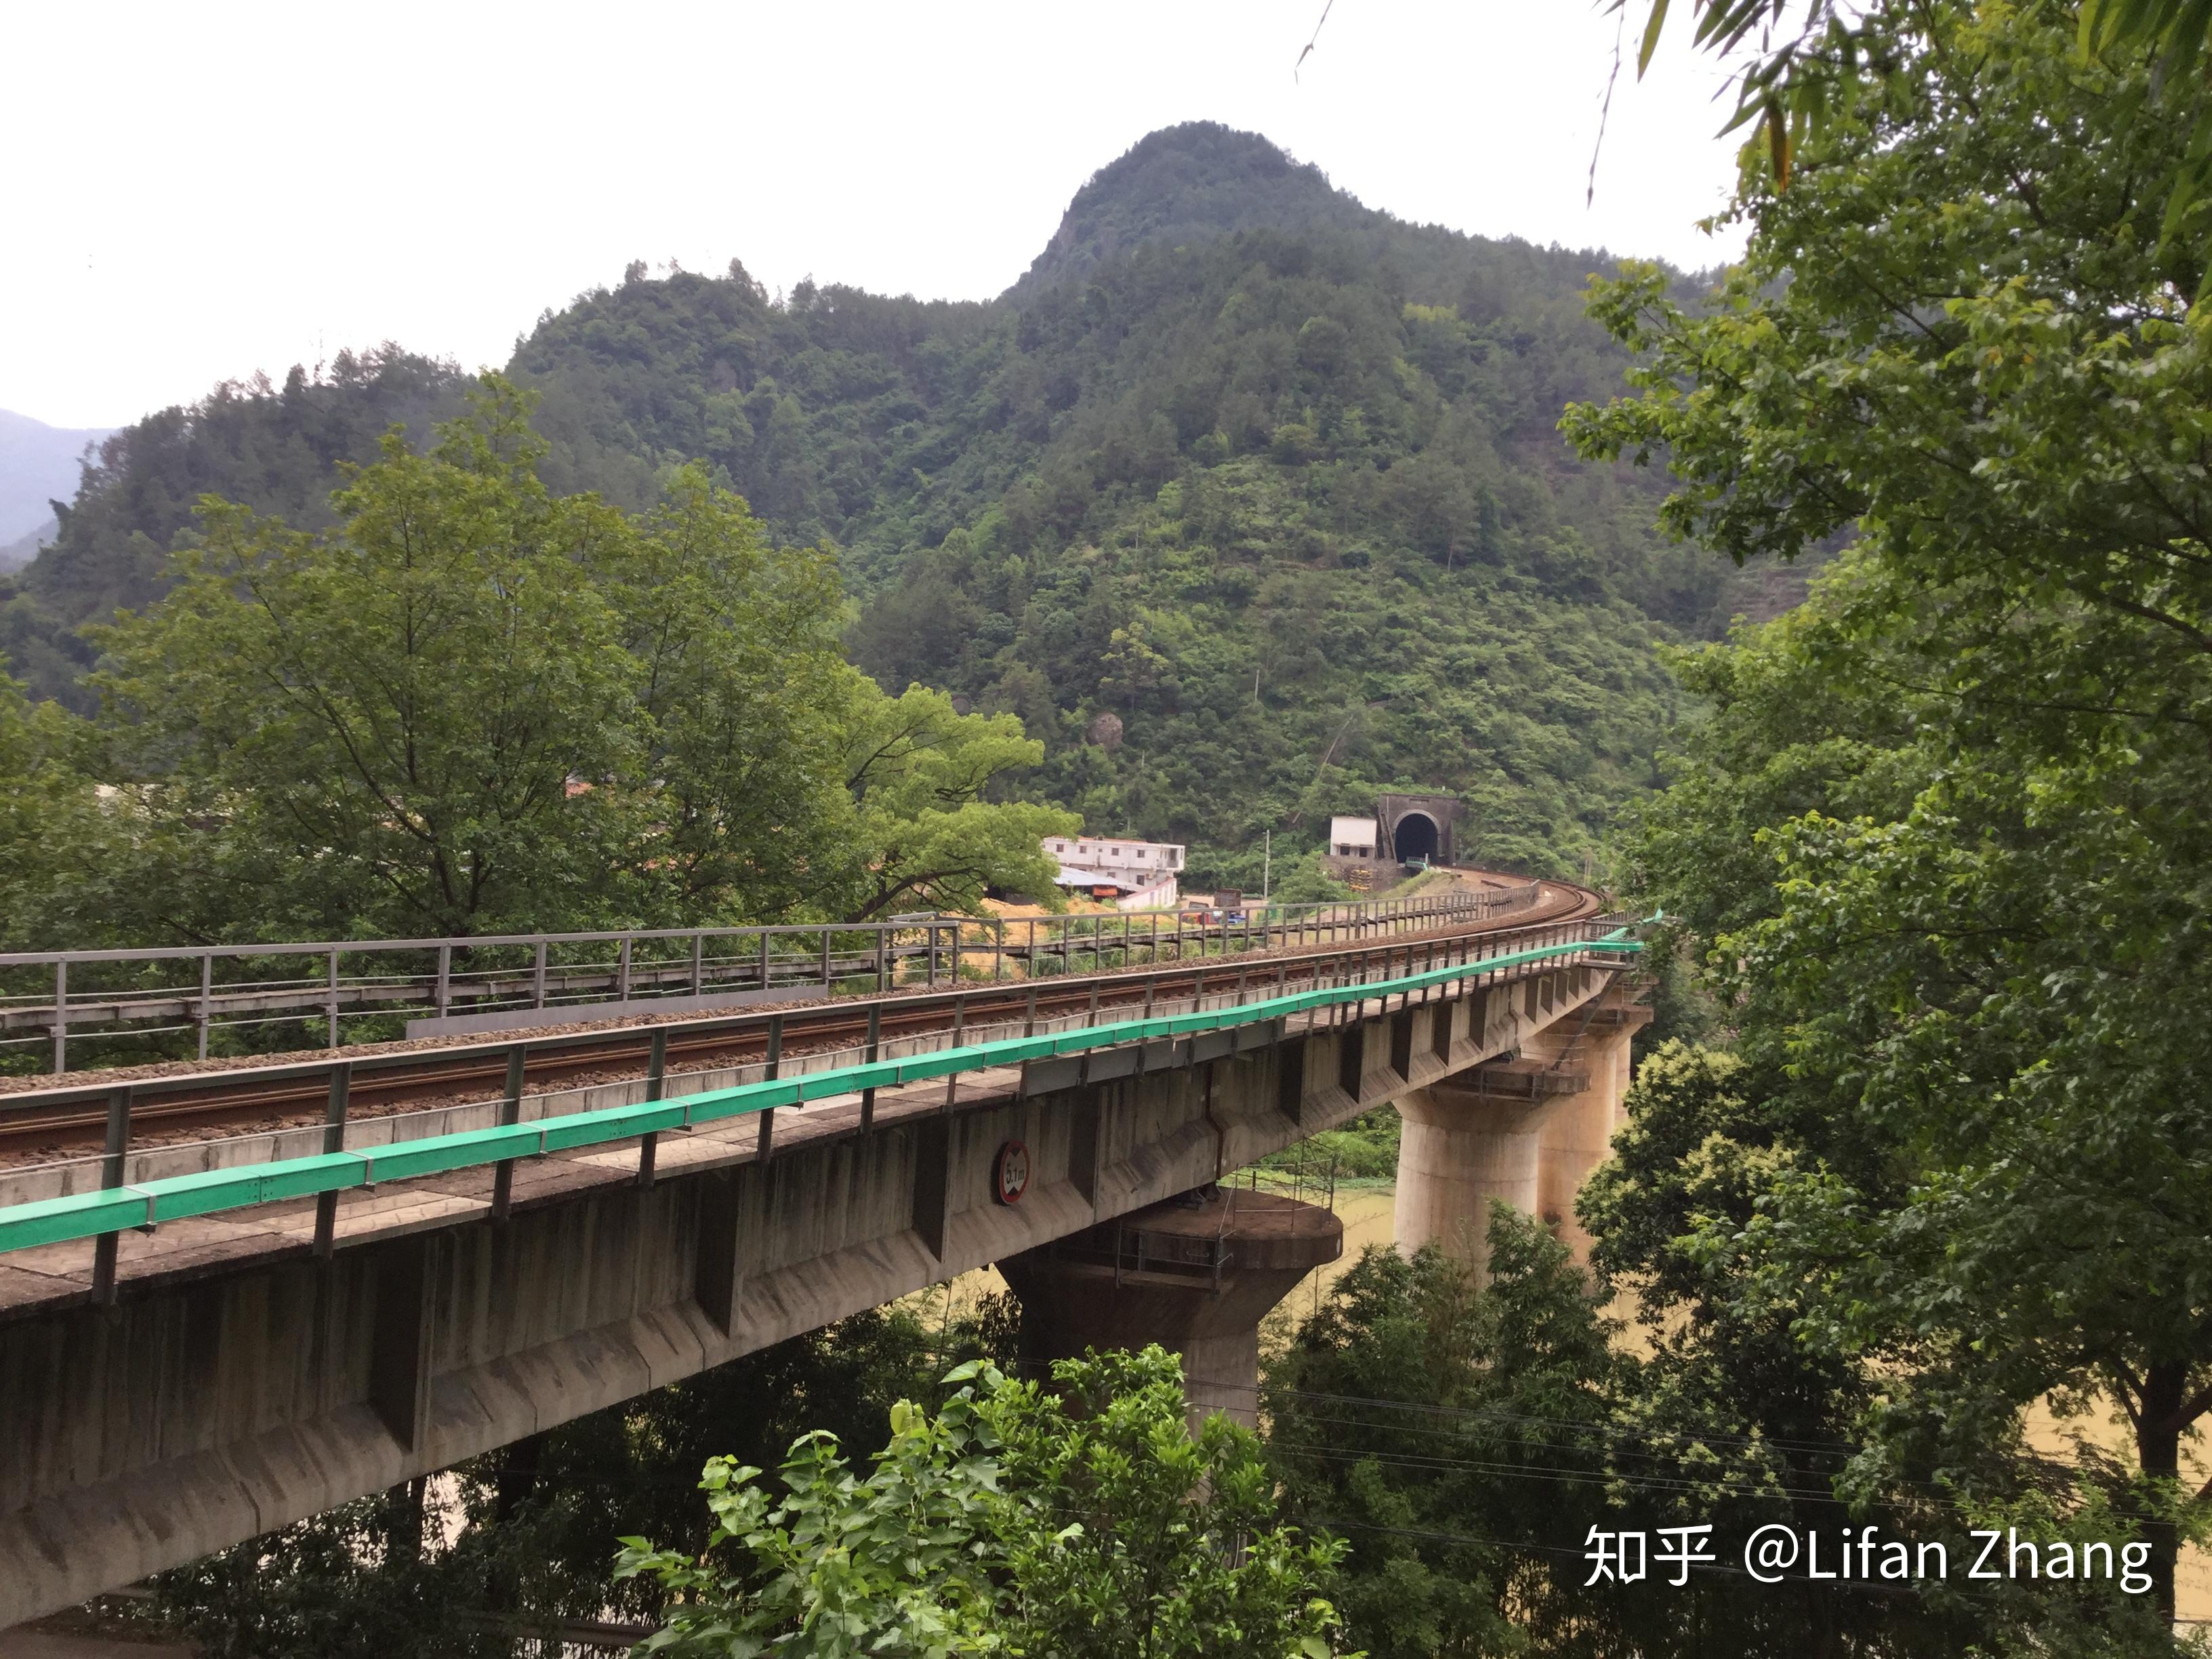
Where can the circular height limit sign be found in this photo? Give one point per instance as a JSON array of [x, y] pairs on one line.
[[1010, 1173]]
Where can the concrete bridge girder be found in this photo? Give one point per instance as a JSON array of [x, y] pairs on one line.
[[225, 1396]]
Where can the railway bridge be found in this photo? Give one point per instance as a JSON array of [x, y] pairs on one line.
[[418, 1255]]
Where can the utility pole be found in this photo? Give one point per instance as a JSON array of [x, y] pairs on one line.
[[1268, 866]]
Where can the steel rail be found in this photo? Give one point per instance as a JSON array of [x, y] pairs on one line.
[[148, 1204], [78, 1112], [470, 974]]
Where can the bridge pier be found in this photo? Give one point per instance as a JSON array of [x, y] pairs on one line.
[[1526, 1132], [1196, 1275], [1464, 1142], [1578, 1137]]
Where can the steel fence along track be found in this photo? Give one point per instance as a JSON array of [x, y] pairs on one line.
[[145, 1205], [62, 1114], [50, 999]]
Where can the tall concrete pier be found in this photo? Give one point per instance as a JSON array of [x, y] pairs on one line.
[[1524, 1130], [1196, 1275]]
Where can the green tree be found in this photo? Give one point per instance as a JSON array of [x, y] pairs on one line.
[[474, 705], [403, 725], [60, 845], [1807, 71], [921, 831], [1469, 1439], [1086, 1521], [742, 696], [1943, 841]]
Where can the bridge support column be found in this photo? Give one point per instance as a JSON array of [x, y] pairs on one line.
[[1579, 1137], [1196, 1275], [1473, 1138]]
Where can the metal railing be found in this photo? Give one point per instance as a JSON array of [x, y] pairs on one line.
[[119, 1204], [128, 1006]]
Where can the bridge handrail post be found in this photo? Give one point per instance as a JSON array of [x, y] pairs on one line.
[[510, 1111], [61, 1016], [207, 999], [656, 1076], [538, 975], [110, 1176], [445, 978], [959, 1029], [333, 983], [766, 1143], [334, 1118], [699, 963], [873, 1051]]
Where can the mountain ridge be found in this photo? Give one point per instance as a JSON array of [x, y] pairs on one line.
[[1238, 429]]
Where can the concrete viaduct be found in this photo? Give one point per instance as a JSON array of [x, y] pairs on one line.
[[174, 1391]]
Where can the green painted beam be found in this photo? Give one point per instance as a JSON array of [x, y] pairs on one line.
[[85, 1215]]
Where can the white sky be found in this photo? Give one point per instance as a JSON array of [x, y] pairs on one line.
[[195, 191]]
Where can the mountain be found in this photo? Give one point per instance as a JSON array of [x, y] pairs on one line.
[[1184, 184], [20, 552], [37, 465], [1246, 497]]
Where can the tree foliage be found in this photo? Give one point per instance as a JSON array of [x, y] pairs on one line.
[[1080, 1519], [475, 705], [1942, 841], [1802, 64]]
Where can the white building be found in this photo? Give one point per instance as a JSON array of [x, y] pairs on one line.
[[1136, 875], [1352, 838]]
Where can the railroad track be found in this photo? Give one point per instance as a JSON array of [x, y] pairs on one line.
[[62, 1122]]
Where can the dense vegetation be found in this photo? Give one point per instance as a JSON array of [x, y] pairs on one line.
[[275, 450], [1247, 500], [472, 705]]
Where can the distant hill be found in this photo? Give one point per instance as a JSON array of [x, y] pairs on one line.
[[37, 465], [18, 553], [1249, 500]]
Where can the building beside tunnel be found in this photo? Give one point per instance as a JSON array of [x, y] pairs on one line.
[[1404, 829]]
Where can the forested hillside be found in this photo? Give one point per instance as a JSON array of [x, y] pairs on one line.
[[1247, 499], [276, 449]]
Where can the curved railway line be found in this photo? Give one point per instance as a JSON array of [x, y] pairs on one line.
[[182, 1101]]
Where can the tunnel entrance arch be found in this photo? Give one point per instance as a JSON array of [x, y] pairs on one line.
[[1418, 838], [1418, 827]]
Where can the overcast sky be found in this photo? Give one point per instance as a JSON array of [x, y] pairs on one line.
[[195, 191]]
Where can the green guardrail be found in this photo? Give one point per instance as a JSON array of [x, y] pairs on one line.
[[114, 1209]]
